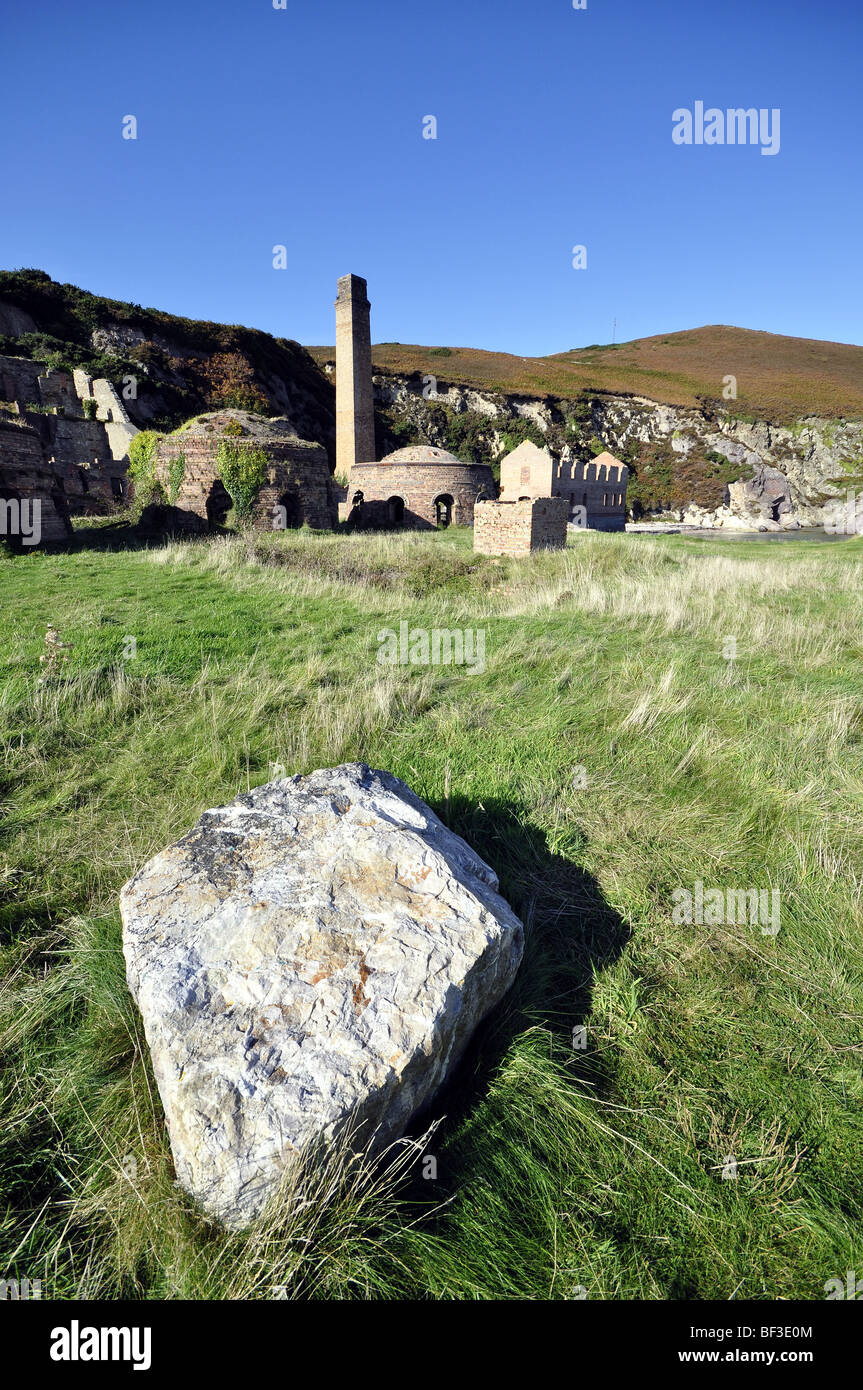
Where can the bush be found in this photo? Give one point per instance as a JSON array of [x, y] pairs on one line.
[[142, 469], [515, 432], [91, 408], [243, 470], [176, 474]]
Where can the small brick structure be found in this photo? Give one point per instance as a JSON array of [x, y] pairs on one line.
[[520, 528], [297, 476], [420, 487]]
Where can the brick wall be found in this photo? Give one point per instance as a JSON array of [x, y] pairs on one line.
[[519, 528], [418, 484], [298, 478]]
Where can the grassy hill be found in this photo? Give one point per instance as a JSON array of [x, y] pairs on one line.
[[704, 1143], [778, 378]]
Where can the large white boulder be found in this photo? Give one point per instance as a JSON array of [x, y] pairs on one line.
[[318, 951]]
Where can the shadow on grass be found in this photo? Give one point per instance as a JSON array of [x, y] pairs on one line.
[[571, 934]]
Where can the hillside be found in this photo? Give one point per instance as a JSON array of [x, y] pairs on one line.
[[655, 402], [183, 366], [779, 379]]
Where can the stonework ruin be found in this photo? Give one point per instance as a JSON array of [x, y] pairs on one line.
[[355, 426], [52, 450], [517, 529], [298, 489], [418, 487], [595, 491]]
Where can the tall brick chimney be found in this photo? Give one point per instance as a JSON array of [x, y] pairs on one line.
[[355, 427]]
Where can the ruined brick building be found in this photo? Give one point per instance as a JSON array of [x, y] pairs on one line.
[[418, 486], [595, 491], [298, 489]]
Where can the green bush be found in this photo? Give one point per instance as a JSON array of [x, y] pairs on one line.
[[142, 468], [515, 432], [91, 408], [243, 470], [176, 474]]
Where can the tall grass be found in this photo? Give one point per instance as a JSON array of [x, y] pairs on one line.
[[558, 1169]]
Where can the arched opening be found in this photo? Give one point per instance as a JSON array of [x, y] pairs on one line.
[[396, 511], [775, 510], [218, 504], [443, 506], [289, 513]]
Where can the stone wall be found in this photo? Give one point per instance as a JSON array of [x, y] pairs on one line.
[[418, 485], [517, 529], [25, 476], [599, 487], [527, 471], [83, 461]]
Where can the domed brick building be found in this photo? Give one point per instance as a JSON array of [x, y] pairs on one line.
[[297, 473], [420, 487]]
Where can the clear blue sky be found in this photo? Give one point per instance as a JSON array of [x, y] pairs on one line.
[[303, 127]]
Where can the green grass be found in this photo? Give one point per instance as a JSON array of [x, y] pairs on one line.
[[558, 1169]]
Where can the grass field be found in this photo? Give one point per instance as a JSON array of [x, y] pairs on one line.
[[706, 1141]]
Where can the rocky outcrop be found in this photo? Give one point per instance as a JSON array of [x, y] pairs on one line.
[[316, 953], [789, 476]]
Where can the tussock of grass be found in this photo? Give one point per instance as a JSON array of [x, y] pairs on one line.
[[558, 1169]]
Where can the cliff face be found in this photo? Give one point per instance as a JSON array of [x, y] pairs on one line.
[[178, 367], [700, 466]]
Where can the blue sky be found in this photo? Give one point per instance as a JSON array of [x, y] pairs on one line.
[[303, 127]]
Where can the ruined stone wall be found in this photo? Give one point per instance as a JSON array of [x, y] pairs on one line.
[[24, 474], [298, 479], [418, 484], [517, 529], [527, 471], [599, 487]]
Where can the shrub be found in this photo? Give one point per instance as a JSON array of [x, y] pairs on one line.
[[142, 468], [233, 427], [242, 469], [91, 408], [176, 474], [515, 432]]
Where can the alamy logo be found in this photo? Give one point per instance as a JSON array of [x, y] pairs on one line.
[[419, 646], [727, 907], [77, 1343], [735, 126], [23, 519], [851, 1288], [844, 518]]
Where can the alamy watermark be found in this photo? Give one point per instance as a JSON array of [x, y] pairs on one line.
[[420, 646], [844, 517], [727, 907], [734, 126], [22, 519], [14, 1290]]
